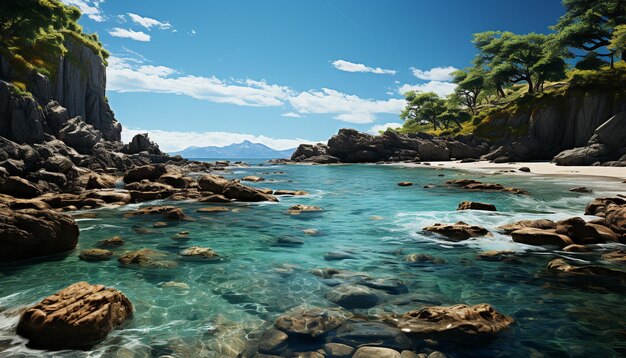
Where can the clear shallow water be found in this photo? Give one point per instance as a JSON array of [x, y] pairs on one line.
[[365, 214]]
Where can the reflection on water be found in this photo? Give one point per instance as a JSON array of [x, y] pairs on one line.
[[211, 309]]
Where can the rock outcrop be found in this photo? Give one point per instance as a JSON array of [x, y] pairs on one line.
[[30, 233], [607, 146], [77, 317], [351, 146]]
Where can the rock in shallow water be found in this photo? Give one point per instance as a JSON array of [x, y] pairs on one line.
[[79, 316], [376, 352], [355, 296], [95, 255], [309, 321], [366, 333], [459, 231], [32, 233], [461, 323], [472, 205]]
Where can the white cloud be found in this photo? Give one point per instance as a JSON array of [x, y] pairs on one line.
[[383, 127], [173, 141], [148, 23], [128, 33], [359, 67], [124, 76], [192, 32], [89, 8], [434, 74], [348, 108], [441, 88], [129, 75]]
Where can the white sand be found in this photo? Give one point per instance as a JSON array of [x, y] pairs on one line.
[[542, 168]]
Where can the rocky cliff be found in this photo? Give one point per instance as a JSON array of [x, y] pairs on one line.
[[78, 85], [543, 127], [539, 129]]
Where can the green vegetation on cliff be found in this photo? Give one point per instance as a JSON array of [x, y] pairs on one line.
[[513, 74], [33, 33]]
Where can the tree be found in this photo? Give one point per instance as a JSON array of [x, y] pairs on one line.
[[423, 106], [26, 19], [618, 41], [588, 25], [511, 58], [469, 84]]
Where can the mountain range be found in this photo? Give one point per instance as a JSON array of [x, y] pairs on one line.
[[245, 149]]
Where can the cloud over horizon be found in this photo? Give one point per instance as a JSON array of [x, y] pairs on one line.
[[89, 8], [174, 141], [347, 66], [127, 75]]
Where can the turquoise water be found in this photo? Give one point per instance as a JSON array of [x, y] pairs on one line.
[[365, 215]]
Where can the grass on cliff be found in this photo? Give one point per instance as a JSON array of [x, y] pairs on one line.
[[39, 46], [517, 102]]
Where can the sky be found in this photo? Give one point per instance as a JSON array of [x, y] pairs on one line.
[[285, 72]]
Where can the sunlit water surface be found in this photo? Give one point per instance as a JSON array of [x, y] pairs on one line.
[[366, 215]]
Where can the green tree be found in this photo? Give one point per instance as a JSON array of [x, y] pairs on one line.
[[588, 25], [423, 107], [469, 84], [618, 41], [511, 58]]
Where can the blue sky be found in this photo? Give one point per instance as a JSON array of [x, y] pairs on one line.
[[280, 72]]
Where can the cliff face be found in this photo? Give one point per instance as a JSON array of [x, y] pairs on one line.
[[79, 85], [549, 125]]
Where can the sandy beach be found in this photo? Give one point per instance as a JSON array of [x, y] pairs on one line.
[[543, 168]]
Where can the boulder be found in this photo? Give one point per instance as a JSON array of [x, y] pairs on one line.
[[58, 164], [201, 253], [539, 237], [417, 259], [543, 224], [473, 205], [338, 350], [376, 352], [616, 218], [56, 116], [459, 323], [598, 207], [77, 317], [115, 241], [252, 178], [79, 135], [309, 321], [215, 198], [580, 189], [146, 258], [612, 132], [457, 232], [370, 333], [273, 341], [141, 143], [19, 188], [244, 193], [355, 296], [300, 208], [95, 255], [32, 233], [100, 181], [213, 183], [583, 233], [168, 212], [405, 183], [150, 172], [560, 265], [430, 151], [582, 155]]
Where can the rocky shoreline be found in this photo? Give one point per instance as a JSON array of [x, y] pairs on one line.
[[605, 147]]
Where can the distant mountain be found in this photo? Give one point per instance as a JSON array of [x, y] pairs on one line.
[[245, 149]]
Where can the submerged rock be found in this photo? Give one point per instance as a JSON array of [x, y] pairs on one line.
[[95, 255], [77, 317], [376, 352], [370, 333], [309, 321], [146, 258], [355, 296], [115, 241], [459, 231], [560, 265], [542, 224], [300, 208], [405, 183], [460, 323]]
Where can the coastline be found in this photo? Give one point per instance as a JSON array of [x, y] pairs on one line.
[[540, 168]]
